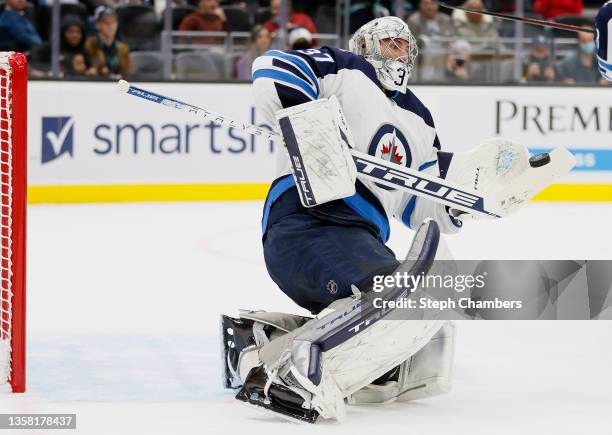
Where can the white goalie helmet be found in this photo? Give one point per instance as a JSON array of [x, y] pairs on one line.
[[392, 71]]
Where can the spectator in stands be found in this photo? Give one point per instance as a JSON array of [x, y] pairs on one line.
[[261, 39], [17, 33], [470, 26], [299, 39], [208, 18], [295, 19], [109, 56], [428, 21], [539, 66], [580, 67], [458, 62], [77, 66], [74, 56], [74, 59], [554, 8]]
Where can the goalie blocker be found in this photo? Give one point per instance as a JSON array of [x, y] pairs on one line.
[[302, 368], [318, 141]]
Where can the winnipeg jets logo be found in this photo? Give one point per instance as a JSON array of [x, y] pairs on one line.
[[390, 151], [388, 143]]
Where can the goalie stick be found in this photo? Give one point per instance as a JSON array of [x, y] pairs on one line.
[[378, 170]]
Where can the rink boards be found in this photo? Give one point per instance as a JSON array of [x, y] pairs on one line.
[[89, 143]]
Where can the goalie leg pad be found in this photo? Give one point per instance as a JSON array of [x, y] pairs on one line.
[[343, 350], [427, 373]]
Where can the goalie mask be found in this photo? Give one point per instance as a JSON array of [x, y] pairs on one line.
[[389, 46]]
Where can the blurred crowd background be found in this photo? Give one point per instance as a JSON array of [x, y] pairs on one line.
[[217, 40]]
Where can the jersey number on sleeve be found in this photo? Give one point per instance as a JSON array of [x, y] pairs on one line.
[[317, 55]]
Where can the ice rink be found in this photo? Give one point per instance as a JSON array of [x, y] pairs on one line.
[[124, 300]]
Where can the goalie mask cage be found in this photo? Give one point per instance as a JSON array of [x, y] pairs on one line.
[[13, 143]]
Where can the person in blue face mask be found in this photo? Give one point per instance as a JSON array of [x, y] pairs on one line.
[[603, 40], [580, 67]]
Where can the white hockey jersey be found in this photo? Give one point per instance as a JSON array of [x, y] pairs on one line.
[[398, 128]]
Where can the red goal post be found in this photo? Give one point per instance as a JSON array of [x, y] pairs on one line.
[[13, 181]]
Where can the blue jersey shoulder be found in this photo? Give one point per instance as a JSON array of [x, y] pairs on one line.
[[328, 60]]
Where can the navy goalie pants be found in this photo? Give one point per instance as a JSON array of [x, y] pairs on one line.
[[315, 254]]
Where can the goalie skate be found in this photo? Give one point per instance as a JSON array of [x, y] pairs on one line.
[[243, 336]]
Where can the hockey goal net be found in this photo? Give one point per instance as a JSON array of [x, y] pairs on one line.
[[13, 121]]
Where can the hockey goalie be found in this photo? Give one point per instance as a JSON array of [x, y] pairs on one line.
[[324, 257]]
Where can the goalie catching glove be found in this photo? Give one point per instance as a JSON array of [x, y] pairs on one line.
[[505, 170]]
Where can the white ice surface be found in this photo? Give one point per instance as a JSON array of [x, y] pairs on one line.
[[123, 302]]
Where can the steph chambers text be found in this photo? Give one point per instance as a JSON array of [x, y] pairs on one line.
[[446, 304]]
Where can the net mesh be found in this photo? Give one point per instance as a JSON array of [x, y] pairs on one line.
[[5, 219]]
